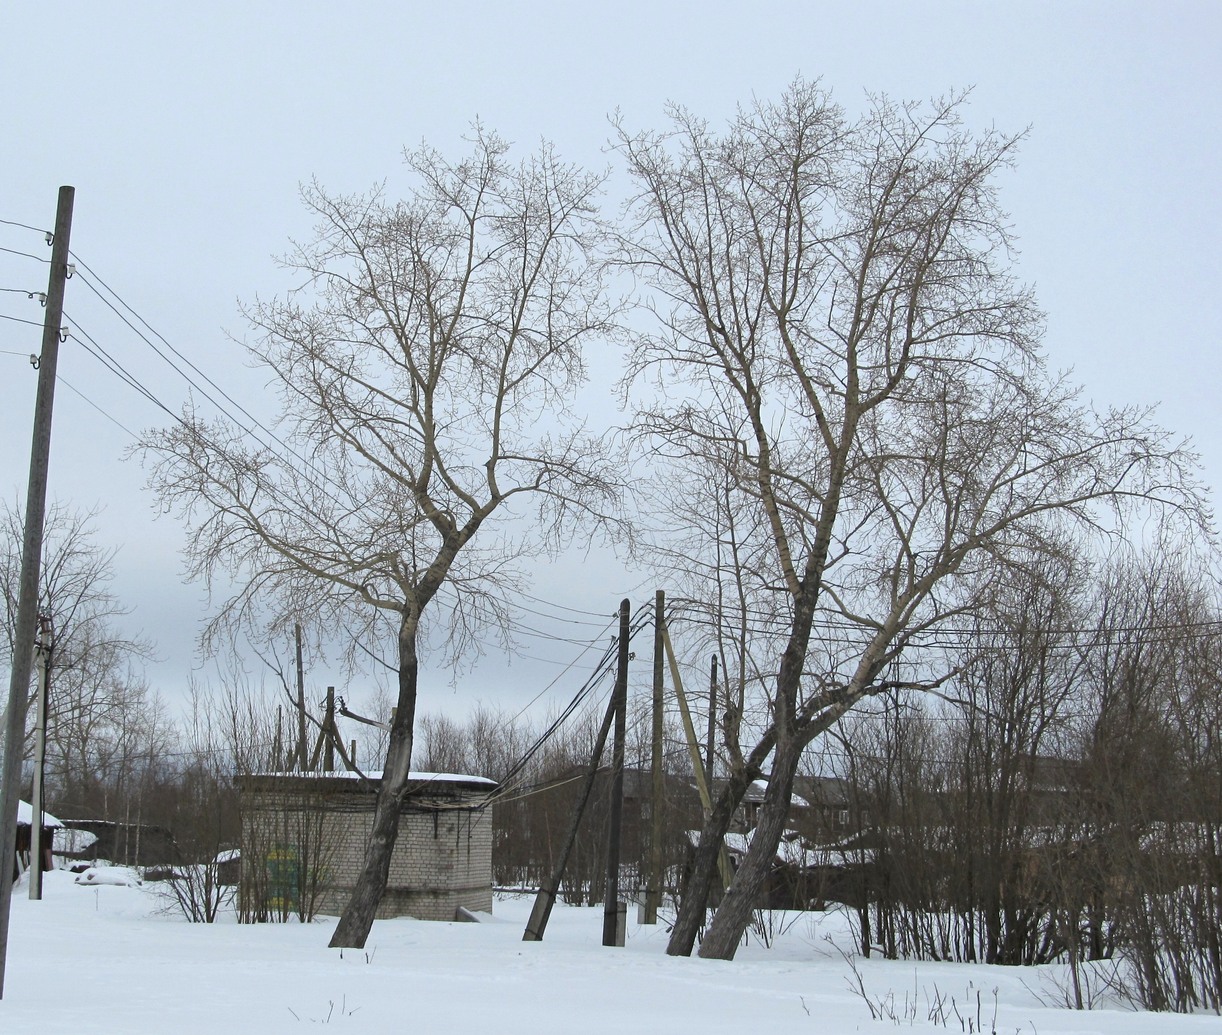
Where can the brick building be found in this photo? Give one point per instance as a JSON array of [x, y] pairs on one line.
[[305, 835]]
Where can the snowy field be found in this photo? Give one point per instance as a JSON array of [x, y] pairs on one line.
[[100, 958]]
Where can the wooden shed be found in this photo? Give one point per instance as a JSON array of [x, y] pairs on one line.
[[25, 832], [305, 837]]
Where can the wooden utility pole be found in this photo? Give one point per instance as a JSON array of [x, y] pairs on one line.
[[613, 933], [31, 556], [42, 663], [710, 741], [330, 732], [657, 795], [302, 749]]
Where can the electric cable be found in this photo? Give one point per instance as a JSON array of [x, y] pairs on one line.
[[636, 624], [25, 255], [18, 319], [320, 476], [60, 380], [24, 226], [115, 367]]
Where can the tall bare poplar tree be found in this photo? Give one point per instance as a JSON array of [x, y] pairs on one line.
[[425, 372], [839, 324]]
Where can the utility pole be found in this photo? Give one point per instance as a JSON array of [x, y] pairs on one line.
[[653, 890], [613, 931], [301, 712], [31, 556], [710, 741], [329, 732], [42, 663]]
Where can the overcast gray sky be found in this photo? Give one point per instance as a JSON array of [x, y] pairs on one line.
[[186, 130]]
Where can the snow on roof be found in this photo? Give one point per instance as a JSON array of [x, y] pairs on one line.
[[793, 853], [755, 792], [25, 811], [66, 839]]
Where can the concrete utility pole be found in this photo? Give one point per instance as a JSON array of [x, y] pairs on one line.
[[31, 556], [613, 910]]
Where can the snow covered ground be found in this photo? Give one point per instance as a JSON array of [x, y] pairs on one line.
[[111, 959]]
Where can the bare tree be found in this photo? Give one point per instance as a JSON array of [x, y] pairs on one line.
[[104, 738], [90, 659], [1144, 878], [106, 729], [838, 320], [425, 373]]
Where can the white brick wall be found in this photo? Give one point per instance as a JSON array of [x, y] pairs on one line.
[[441, 860]]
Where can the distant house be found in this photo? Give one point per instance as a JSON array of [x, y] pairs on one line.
[[305, 837], [681, 807], [822, 851], [827, 813], [818, 808]]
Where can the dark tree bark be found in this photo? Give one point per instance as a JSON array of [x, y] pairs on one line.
[[698, 885], [358, 916]]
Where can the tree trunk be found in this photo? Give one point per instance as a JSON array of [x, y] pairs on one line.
[[734, 913], [694, 900], [357, 920]]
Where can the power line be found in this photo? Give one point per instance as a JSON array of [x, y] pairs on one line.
[[952, 634], [18, 319], [24, 226], [567, 667], [115, 367], [60, 378], [321, 476], [563, 607], [639, 622], [133, 382], [25, 255]]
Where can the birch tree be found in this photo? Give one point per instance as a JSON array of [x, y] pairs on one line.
[[837, 316], [425, 374]]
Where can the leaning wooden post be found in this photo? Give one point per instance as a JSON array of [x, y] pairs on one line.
[[546, 896], [702, 787]]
